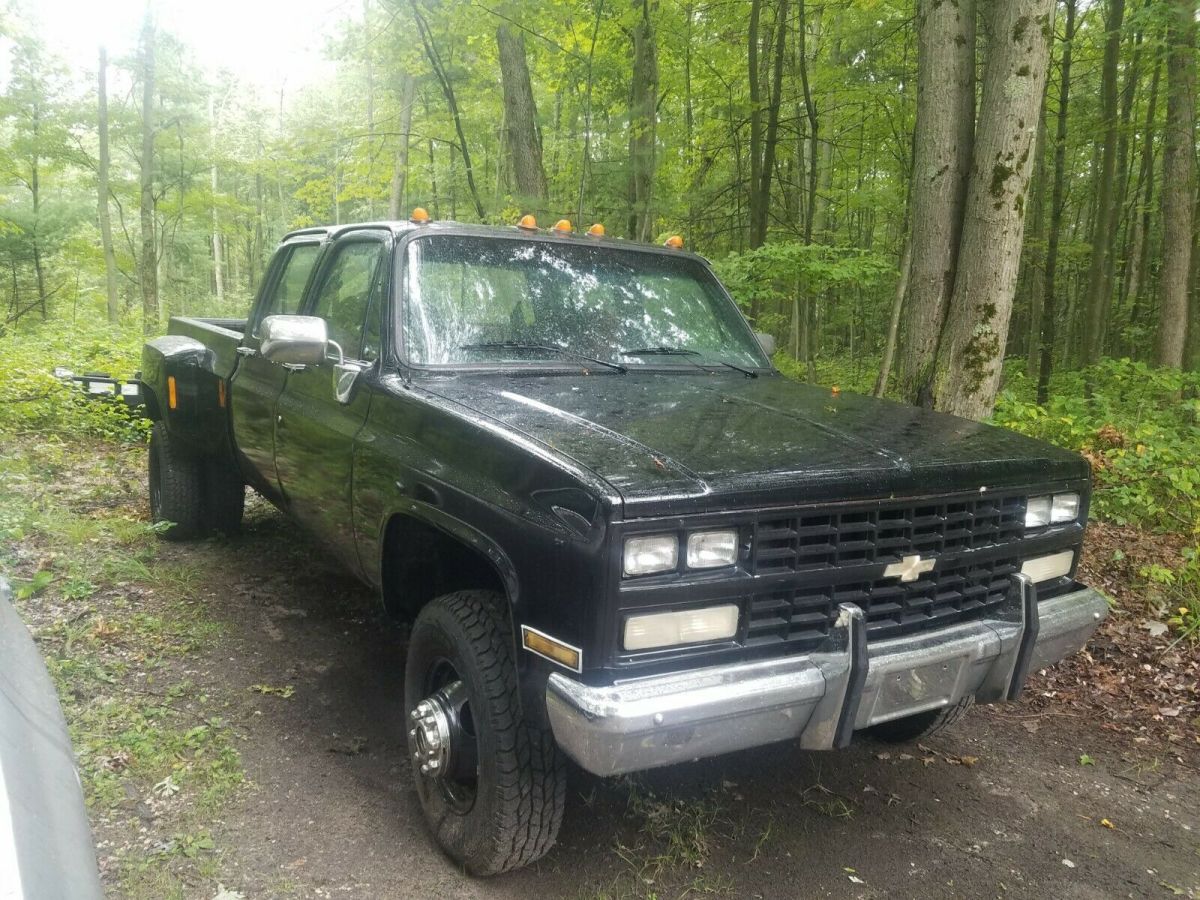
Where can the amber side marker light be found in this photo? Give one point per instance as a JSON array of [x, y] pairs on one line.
[[596, 230], [527, 223], [172, 399], [675, 242], [835, 390], [419, 216], [563, 226], [553, 650]]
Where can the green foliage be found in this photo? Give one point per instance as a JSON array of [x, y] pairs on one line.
[[32, 399], [1140, 428]]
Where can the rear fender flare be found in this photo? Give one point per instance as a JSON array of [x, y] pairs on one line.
[[199, 417]]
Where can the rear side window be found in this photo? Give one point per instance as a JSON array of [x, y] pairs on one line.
[[288, 288]]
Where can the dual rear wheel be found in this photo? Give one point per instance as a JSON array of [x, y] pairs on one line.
[[196, 494]]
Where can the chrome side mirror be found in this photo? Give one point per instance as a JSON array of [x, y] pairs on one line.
[[766, 341], [294, 340]]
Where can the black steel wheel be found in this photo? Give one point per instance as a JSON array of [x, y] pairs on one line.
[[491, 784]]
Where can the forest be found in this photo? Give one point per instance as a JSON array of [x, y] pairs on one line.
[[916, 192]]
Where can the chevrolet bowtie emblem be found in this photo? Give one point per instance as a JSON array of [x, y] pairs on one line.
[[910, 568]]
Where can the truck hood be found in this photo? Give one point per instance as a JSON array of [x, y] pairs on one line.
[[672, 442]]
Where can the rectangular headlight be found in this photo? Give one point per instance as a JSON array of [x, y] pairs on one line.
[[1037, 511], [711, 549], [1044, 568], [1065, 508], [651, 553], [1048, 509], [685, 626]]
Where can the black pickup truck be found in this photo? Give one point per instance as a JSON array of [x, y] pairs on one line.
[[620, 534]]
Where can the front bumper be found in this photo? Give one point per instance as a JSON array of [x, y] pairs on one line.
[[821, 698]]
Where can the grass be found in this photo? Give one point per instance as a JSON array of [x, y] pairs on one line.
[[117, 624]]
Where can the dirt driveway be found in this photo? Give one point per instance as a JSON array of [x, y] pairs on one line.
[[303, 678]]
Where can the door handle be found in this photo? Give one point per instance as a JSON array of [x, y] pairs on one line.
[[295, 367], [246, 351]]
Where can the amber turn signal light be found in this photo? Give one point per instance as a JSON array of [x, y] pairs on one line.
[[596, 230], [528, 223], [675, 242], [419, 216], [836, 390], [550, 648]]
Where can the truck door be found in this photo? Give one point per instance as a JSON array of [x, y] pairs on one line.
[[315, 430], [257, 383]]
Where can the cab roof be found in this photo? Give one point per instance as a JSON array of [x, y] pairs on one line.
[[400, 227]]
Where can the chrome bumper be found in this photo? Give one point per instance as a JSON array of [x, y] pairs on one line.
[[821, 698]]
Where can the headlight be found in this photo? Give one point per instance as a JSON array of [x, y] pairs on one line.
[[1044, 568], [650, 554], [1065, 508], [711, 549], [685, 626], [1051, 509]]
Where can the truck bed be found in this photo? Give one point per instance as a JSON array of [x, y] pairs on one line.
[[221, 336]]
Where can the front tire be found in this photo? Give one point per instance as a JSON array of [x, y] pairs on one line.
[[492, 784], [922, 725]]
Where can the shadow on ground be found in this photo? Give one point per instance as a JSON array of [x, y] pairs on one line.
[[1000, 807]]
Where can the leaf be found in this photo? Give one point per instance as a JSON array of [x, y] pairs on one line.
[[1085, 760], [285, 692]]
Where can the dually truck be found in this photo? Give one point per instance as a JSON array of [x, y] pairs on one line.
[[620, 535]]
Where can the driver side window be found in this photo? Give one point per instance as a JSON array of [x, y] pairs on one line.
[[348, 290]]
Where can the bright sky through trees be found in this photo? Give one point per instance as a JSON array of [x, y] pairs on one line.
[[261, 41]]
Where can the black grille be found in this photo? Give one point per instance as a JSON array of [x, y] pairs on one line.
[[808, 540], [803, 616]]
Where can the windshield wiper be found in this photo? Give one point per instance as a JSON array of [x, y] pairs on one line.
[[683, 351], [561, 351], [660, 351]]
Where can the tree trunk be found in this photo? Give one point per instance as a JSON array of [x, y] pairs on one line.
[[106, 241], [148, 268], [760, 187], [1191, 352], [1056, 210], [520, 119], [218, 273], [369, 65], [889, 350], [408, 87], [643, 100], [1037, 262], [1179, 149], [1097, 298], [967, 370], [941, 163], [439, 71], [1143, 208], [752, 72]]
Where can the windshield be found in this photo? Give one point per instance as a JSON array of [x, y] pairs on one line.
[[473, 300]]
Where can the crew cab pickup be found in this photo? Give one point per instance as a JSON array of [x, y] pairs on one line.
[[620, 534]]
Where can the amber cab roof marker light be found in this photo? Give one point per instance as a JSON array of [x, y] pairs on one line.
[[596, 231], [527, 223], [563, 226], [675, 242], [419, 216]]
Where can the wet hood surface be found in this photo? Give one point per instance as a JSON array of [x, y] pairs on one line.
[[674, 442]]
